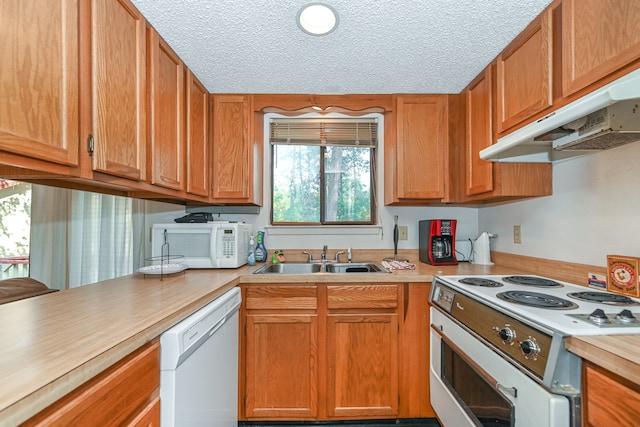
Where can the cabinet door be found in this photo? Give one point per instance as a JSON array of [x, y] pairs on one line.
[[281, 366], [231, 172], [39, 79], [598, 38], [421, 137], [413, 351], [197, 122], [609, 400], [362, 365], [118, 98], [479, 173], [525, 73], [166, 102]]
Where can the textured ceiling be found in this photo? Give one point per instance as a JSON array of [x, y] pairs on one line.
[[380, 46]]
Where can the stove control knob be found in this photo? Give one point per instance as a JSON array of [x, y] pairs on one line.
[[626, 316], [506, 335], [599, 317], [530, 348]]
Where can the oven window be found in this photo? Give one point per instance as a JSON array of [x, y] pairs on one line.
[[481, 400]]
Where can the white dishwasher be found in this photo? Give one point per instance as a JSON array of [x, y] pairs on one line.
[[199, 367]]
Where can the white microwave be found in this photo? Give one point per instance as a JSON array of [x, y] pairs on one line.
[[218, 244]]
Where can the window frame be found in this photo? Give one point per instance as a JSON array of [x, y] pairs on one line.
[[373, 175]]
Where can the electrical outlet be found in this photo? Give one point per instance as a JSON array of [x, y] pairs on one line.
[[403, 232], [517, 234]]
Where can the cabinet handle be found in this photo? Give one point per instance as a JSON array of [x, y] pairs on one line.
[[90, 144]]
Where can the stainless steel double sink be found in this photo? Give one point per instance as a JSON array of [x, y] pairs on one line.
[[329, 267]]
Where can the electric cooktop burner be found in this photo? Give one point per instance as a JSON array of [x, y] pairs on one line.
[[479, 281], [538, 300], [602, 297], [531, 281]]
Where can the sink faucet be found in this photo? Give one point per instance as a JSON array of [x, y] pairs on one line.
[[323, 257], [337, 258], [309, 256]]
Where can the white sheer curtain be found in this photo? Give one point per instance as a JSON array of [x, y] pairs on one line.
[[79, 238]]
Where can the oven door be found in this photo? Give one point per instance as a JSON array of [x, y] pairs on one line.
[[472, 385]]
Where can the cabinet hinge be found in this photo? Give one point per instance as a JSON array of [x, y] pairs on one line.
[[90, 144]]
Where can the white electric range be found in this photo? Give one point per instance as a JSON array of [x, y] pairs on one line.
[[497, 347]]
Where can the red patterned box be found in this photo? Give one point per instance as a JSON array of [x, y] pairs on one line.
[[622, 274]]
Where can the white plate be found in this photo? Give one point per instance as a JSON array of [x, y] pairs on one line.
[[163, 269]]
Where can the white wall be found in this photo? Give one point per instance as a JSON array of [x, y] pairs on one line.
[[594, 211], [339, 238]]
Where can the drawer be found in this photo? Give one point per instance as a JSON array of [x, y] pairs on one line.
[[281, 297], [122, 392], [362, 296]]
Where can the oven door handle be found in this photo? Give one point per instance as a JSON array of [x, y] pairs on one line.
[[507, 390], [512, 391]]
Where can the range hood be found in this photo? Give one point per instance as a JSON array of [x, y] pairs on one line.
[[606, 118]]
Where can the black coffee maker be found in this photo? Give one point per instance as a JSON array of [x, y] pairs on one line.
[[437, 241]]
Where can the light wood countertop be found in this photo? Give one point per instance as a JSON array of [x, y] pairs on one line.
[[53, 343], [617, 353]]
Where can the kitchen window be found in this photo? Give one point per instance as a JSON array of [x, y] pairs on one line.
[[323, 171]]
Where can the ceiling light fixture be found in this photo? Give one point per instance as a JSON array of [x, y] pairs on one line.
[[317, 19]]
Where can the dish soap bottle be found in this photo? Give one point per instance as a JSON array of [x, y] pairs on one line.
[[251, 256], [261, 251]]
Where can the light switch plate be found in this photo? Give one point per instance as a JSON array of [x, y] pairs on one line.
[[403, 232]]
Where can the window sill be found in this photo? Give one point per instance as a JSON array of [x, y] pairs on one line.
[[341, 230]]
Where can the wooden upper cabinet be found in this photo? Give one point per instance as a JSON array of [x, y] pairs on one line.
[[415, 149], [118, 80], [490, 181], [166, 110], [232, 157], [598, 38], [197, 134], [39, 80], [479, 133], [525, 73]]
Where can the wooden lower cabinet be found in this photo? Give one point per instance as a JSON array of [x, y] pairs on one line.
[[126, 394], [362, 356], [608, 399], [280, 352], [281, 366], [334, 351]]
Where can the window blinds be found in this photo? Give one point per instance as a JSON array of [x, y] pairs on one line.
[[324, 131]]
